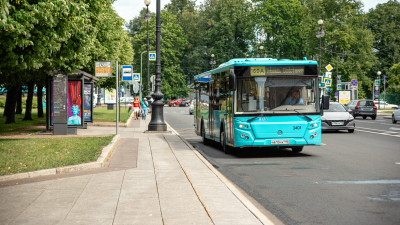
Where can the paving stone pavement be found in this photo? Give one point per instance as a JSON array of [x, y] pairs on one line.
[[150, 178]]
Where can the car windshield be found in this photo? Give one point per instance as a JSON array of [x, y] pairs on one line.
[[335, 108], [276, 95]]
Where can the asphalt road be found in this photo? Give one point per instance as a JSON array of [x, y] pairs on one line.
[[349, 179]]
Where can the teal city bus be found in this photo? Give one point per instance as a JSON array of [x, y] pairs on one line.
[[260, 102]]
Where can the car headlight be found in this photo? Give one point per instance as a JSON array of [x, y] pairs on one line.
[[350, 117], [323, 118]]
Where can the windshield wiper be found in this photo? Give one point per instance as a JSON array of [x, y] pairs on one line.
[[249, 120], [308, 118]]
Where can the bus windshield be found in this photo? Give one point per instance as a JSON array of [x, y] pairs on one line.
[[276, 95]]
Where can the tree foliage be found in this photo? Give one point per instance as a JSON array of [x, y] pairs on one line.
[[56, 35]]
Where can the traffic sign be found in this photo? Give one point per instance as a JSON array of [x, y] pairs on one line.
[[328, 74], [135, 86], [328, 82], [152, 56], [339, 87], [329, 67], [354, 82], [376, 82], [376, 88], [127, 73], [376, 92], [339, 76], [136, 77]]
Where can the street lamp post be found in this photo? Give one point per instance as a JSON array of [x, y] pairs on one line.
[[212, 61], [379, 100], [147, 18], [320, 34], [157, 118]]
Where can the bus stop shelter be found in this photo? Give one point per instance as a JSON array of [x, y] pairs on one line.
[[69, 100]]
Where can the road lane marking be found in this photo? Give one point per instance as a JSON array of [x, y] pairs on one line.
[[365, 182], [376, 131]]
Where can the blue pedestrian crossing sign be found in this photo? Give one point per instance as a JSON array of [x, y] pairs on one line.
[[376, 82], [136, 77], [339, 87], [152, 56], [328, 82]]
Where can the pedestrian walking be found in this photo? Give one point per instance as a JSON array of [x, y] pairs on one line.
[[136, 107], [144, 105]]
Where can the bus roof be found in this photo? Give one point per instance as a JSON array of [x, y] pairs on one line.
[[205, 77]]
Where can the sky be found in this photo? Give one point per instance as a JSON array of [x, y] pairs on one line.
[[129, 9]]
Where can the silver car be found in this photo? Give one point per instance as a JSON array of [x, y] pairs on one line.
[[396, 115], [337, 118]]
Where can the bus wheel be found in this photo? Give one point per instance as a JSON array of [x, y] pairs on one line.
[[224, 147], [297, 149]]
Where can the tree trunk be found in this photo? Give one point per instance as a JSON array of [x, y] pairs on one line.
[[11, 101], [29, 100], [39, 101], [18, 110]]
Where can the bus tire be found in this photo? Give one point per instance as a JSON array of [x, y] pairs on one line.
[[224, 147], [297, 149]]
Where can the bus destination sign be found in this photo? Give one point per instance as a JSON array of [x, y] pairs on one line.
[[276, 70]]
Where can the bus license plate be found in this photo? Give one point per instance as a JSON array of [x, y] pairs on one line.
[[279, 142], [337, 123]]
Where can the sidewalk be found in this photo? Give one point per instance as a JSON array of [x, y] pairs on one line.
[[150, 178]]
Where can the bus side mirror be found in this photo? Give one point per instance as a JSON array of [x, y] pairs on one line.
[[232, 80], [325, 102]]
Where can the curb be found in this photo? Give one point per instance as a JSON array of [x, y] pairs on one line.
[[242, 198], [105, 154]]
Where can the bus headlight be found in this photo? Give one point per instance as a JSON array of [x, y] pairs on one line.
[[240, 125]]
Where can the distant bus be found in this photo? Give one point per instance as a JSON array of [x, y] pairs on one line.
[[251, 102]]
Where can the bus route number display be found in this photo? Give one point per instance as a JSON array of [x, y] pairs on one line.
[[257, 70]]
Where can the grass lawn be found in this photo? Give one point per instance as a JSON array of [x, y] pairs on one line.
[[25, 127], [21, 126], [45, 153], [31, 154], [105, 115]]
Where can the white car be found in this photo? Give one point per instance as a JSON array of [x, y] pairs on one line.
[[384, 105], [337, 118], [396, 116]]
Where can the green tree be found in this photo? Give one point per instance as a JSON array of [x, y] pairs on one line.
[[384, 22], [277, 27], [53, 35], [346, 37], [173, 42], [227, 28]]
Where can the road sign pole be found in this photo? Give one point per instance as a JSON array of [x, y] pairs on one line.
[[117, 97]]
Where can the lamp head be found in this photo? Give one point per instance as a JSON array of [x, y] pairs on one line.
[[147, 2], [378, 73], [320, 22]]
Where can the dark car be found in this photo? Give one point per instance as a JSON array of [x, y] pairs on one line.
[[365, 108]]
